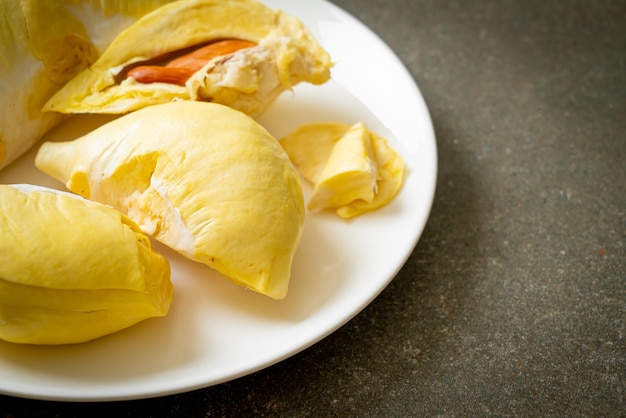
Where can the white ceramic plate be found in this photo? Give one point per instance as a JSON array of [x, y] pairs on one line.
[[217, 331]]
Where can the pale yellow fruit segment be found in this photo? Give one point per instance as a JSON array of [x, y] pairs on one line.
[[72, 270], [352, 169], [204, 179], [349, 173], [310, 145], [249, 80], [43, 45]]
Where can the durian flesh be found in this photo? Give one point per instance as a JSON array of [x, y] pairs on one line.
[[202, 178], [72, 270], [248, 80], [43, 44], [352, 169]]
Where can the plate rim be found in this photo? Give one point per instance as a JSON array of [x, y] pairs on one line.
[[114, 394]]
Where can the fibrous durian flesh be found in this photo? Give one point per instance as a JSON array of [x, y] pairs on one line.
[[202, 178], [281, 53], [43, 45], [72, 270]]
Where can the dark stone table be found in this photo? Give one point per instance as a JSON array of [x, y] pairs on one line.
[[514, 300]]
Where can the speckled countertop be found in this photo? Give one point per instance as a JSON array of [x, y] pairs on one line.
[[514, 300]]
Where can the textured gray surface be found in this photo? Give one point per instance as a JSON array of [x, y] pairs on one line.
[[513, 302]]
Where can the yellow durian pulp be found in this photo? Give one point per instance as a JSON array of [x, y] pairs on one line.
[[72, 270], [202, 178], [349, 173], [249, 80], [43, 45], [352, 170]]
